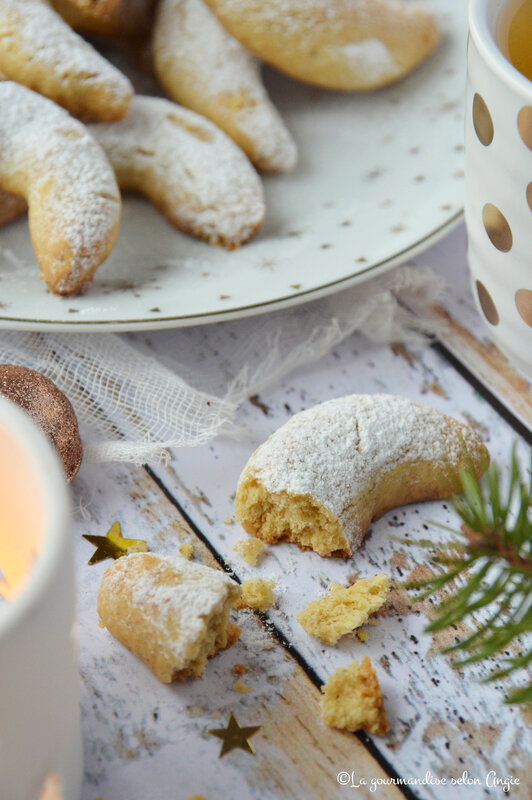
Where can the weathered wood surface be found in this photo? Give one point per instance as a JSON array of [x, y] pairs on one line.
[[441, 720], [145, 740]]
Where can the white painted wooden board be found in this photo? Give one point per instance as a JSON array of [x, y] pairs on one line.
[[144, 740], [441, 720]]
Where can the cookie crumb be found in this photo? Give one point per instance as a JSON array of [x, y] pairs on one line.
[[352, 699], [239, 669], [363, 635], [228, 521], [241, 687], [344, 609], [186, 549], [257, 593], [249, 549]]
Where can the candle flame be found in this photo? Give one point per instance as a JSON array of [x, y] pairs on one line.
[[14, 574], [21, 516], [4, 587]]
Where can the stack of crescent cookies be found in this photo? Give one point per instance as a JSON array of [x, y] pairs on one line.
[[73, 134]]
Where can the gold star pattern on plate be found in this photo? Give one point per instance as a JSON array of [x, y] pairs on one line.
[[113, 545], [235, 737]]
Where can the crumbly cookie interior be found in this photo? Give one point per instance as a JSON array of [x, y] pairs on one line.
[[216, 636], [344, 609], [273, 516], [352, 700]]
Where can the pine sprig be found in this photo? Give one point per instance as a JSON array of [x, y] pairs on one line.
[[487, 567]]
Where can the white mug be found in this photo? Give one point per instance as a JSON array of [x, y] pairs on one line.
[[40, 735], [498, 208]]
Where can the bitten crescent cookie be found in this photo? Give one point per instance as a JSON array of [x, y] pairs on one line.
[[336, 44], [171, 613], [203, 67], [40, 51], [49, 159], [324, 475], [191, 171]]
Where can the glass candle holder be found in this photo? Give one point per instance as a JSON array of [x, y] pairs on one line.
[[40, 736]]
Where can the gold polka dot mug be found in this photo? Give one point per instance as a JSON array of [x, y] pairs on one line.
[[498, 209]]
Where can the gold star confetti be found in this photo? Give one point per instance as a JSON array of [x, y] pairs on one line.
[[113, 545], [234, 737]]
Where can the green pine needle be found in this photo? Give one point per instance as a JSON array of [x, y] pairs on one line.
[[488, 566]]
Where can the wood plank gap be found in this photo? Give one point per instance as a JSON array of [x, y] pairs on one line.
[[190, 522], [366, 741], [519, 427]]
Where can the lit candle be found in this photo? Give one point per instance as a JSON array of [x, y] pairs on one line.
[[21, 516], [39, 705]]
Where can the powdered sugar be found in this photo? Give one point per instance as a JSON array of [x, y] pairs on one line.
[[190, 43], [343, 44], [198, 177], [39, 49], [183, 595], [47, 154], [334, 451], [370, 56], [295, 15]]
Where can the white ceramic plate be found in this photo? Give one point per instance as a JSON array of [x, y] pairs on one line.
[[380, 177]]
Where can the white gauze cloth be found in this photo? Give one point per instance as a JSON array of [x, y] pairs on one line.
[[133, 405]]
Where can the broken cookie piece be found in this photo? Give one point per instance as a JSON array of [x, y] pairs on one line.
[[344, 609], [352, 699], [169, 612]]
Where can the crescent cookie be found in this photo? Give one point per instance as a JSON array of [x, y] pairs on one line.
[[128, 19], [50, 159], [187, 167], [190, 170], [324, 475], [39, 50], [171, 613], [203, 67], [335, 44]]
